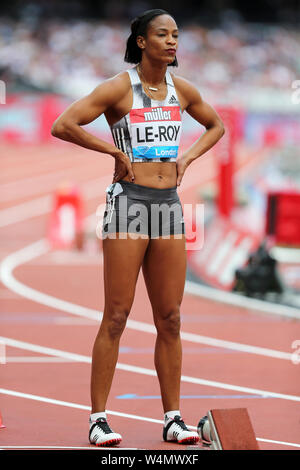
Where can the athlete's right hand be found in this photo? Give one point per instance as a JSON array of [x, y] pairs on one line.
[[123, 166]]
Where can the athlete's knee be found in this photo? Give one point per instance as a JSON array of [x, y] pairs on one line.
[[168, 323], [116, 321]]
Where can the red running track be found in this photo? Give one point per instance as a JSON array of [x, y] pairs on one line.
[[44, 399]]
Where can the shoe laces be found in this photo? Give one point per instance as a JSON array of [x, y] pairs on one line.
[[102, 424], [180, 423]]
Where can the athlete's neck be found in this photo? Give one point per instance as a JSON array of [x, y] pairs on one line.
[[152, 73]]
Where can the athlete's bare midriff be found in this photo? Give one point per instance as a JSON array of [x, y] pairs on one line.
[[154, 174]]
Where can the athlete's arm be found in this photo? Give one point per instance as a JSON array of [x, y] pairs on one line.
[[192, 102], [68, 125]]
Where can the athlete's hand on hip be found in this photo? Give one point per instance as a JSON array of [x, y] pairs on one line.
[[181, 164], [123, 166]]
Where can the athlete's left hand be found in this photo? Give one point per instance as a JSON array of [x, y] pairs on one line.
[[181, 164]]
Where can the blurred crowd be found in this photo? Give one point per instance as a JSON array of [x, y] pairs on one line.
[[73, 57]]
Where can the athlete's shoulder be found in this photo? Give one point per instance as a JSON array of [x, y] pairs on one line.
[[118, 83], [112, 89]]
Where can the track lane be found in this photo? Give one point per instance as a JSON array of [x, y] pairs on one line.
[[33, 331]]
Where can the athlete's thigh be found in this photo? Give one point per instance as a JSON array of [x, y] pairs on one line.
[[164, 270], [122, 259]]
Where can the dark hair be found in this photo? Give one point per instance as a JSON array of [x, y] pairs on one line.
[[139, 26]]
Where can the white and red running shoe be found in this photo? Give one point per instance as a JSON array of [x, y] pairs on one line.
[[177, 431], [102, 435]]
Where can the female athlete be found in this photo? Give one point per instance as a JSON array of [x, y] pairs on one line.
[[143, 222]]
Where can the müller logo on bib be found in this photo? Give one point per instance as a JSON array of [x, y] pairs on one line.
[[163, 113]]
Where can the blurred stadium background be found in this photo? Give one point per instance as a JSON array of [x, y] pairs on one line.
[[243, 58]]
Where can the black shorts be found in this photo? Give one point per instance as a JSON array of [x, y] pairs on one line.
[[139, 210]]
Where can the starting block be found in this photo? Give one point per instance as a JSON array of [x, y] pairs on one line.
[[1, 422], [227, 429], [66, 222]]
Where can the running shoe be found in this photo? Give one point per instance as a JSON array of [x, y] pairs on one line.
[[102, 435], [177, 431]]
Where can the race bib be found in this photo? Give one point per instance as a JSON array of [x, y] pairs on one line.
[[155, 132]]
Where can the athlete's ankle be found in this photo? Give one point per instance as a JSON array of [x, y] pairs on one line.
[[169, 415], [94, 416]]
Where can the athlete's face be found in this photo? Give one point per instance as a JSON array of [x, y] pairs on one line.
[[161, 40]]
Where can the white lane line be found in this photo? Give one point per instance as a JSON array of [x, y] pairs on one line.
[[143, 370], [52, 401], [25, 210], [45, 350], [78, 406], [237, 300], [43, 205], [41, 247], [32, 186], [11, 262], [35, 359]]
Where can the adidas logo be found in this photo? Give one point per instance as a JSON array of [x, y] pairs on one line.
[[173, 100]]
